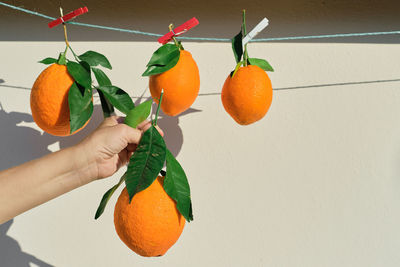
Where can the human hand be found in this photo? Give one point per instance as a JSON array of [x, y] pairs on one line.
[[111, 145]]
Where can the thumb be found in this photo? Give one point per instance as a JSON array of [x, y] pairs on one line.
[[129, 134]]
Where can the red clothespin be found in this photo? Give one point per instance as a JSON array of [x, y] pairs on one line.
[[178, 30], [69, 16]]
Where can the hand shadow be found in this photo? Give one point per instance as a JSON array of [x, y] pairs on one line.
[[11, 254], [20, 144]]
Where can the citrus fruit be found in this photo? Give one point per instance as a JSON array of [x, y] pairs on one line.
[[150, 224], [49, 100], [247, 95], [181, 85]]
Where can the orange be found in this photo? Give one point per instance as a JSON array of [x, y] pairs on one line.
[[181, 85], [248, 95], [150, 224], [49, 100]]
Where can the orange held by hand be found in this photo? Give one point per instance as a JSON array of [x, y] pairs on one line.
[[247, 95], [151, 223], [49, 100]]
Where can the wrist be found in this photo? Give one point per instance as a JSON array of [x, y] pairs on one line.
[[85, 164]]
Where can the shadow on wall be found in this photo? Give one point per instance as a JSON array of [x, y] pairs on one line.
[[23, 143], [173, 135], [11, 254]]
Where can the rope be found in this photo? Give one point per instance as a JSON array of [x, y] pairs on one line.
[[290, 38]]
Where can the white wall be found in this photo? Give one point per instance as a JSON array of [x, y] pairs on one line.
[[315, 183]]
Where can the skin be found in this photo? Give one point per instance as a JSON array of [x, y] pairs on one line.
[[98, 156]]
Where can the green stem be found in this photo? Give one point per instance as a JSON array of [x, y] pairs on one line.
[[176, 42], [245, 55], [75, 56], [66, 49], [173, 38], [158, 108], [237, 68]]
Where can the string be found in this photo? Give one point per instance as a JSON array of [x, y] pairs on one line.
[[290, 38]]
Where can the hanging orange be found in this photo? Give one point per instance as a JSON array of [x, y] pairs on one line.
[[49, 100], [247, 95], [181, 85], [151, 223]]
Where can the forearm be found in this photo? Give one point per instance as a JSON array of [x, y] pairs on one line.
[[38, 181]]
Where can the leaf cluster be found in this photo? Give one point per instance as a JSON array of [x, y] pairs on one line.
[[147, 162], [80, 94]]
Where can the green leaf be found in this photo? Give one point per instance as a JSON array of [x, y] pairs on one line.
[[118, 97], [153, 70], [262, 63], [102, 79], [163, 55], [48, 60], [80, 106], [80, 73], [138, 114], [237, 46], [165, 58], [94, 59], [106, 106], [106, 197], [177, 186], [146, 162]]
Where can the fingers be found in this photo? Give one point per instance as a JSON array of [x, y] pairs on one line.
[[123, 158], [110, 121], [145, 125], [160, 131], [131, 147], [131, 135]]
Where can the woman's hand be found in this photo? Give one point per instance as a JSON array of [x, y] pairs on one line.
[[111, 145], [99, 155]]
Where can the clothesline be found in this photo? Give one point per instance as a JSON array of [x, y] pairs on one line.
[[289, 38]]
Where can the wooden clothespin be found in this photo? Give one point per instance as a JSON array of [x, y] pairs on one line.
[[178, 30], [257, 29], [68, 17]]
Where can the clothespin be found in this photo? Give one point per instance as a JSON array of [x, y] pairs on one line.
[[68, 17], [178, 30], [257, 29]]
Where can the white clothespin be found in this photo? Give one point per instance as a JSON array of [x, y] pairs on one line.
[[257, 29]]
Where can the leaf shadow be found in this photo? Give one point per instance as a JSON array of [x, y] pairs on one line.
[[24, 143], [21, 144], [173, 134], [11, 254], [96, 119]]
